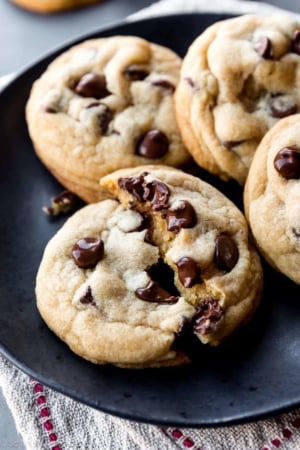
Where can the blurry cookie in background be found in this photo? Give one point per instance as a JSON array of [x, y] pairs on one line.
[[104, 105], [238, 78], [49, 6]]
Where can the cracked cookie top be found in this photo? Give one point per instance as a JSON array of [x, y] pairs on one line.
[[238, 78], [102, 105]]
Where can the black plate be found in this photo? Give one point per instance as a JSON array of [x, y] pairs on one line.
[[250, 377]]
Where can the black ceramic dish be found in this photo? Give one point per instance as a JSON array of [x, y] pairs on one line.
[[250, 377]]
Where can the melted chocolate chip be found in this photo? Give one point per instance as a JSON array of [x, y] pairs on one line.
[[154, 293], [87, 298], [181, 216], [263, 46], [158, 194], [87, 251], [134, 185], [154, 191], [188, 272], [154, 144], [134, 73], [165, 84], [282, 106], [226, 252], [92, 85], [63, 203], [287, 163], [295, 46], [207, 317]]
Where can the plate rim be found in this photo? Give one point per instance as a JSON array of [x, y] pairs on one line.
[[59, 387]]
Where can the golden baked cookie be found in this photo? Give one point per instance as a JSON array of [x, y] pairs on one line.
[[127, 280], [238, 78], [103, 105], [49, 6], [272, 197]]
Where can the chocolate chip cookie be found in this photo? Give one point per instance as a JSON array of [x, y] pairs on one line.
[[103, 105], [272, 197], [238, 78], [127, 280]]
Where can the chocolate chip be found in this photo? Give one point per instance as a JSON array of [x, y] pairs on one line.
[[87, 251], [226, 252], [165, 84], [190, 82], [282, 106], [295, 46], [232, 144], [263, 46], [157, 193], [87, 298], [50, 110], [154, 144], [188, 272], [63, 203], [105, 115], [287, 163], [207, 317], [105, 118], [296, 232], [92, 85], [181, 216], [134, 185], [154, 293], [134, 73]]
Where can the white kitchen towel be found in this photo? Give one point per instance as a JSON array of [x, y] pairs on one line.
[[49, 420]]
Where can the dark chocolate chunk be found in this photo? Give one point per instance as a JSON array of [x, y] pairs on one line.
[[295, 46], [86, 252], [165, 84], [282, 106], [154, 293], [188, 272], [158, 194], [87, 298], [164, 275], [134, 185], [92, 85], [154, 144], [135, 73], [207, 317], [287, 163], [263, 46], [181, 216], [63, 203], [226, 252]]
